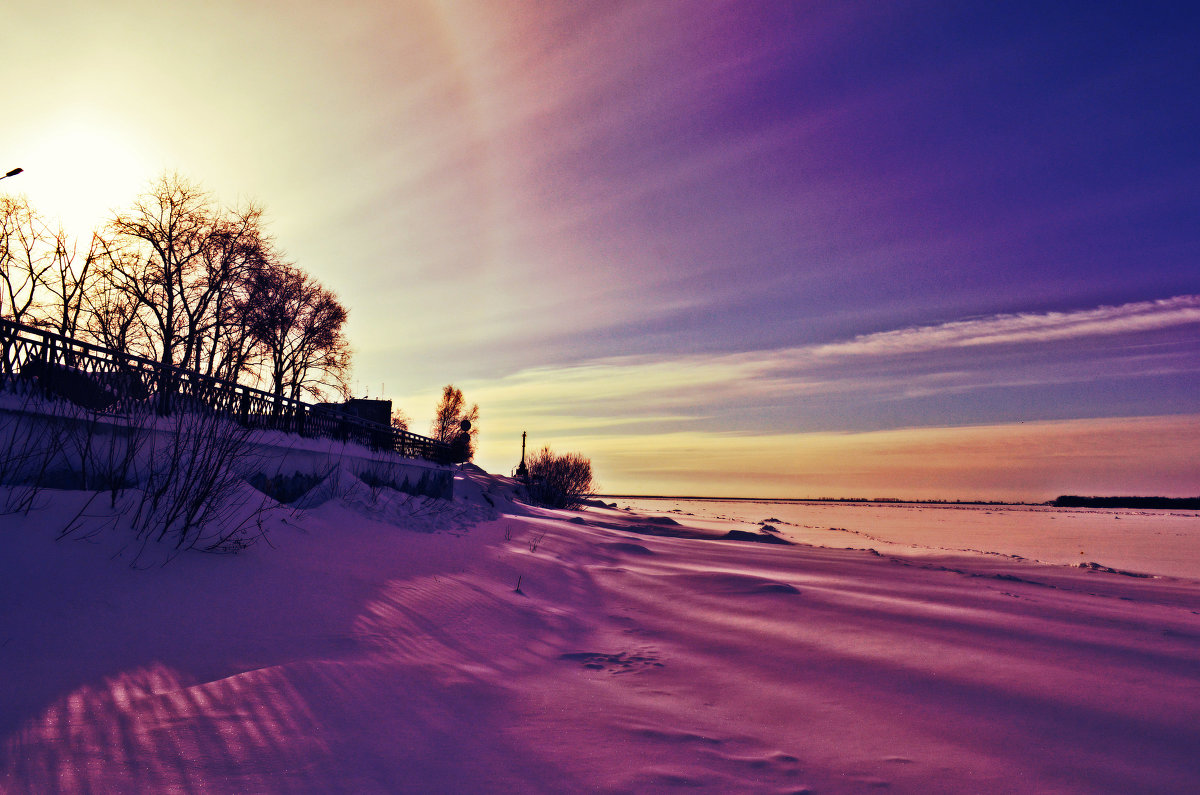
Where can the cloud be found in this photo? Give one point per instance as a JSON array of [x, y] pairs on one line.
[[1024, 328], [914, 363]]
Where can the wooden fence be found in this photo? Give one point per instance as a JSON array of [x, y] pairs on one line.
[[104, 380]]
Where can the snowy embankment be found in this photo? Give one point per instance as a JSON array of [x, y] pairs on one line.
[[379, 643]]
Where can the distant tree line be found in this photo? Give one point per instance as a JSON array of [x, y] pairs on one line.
[[179, 279], [1179, 503]]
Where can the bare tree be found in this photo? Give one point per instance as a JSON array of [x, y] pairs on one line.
[[184, 270], [300, 325], [71, 279], [26, 256], [157, 259], [114, 318], [235, 355], [179, 279], [44, 274], [235, 250]]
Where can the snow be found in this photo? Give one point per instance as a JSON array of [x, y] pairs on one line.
[[1147, 541], [379, 643]]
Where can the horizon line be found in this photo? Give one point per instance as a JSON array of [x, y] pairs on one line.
[[815, 499]]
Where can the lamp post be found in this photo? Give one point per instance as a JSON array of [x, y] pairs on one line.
[[12, 173]]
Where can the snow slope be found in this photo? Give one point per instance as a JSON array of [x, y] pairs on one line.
[[379, 643]]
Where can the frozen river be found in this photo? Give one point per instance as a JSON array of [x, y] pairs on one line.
[[1159, 542]]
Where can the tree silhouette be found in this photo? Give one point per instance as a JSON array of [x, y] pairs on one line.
[[450, 414], [559, 481], [299, 323], [179, 279], [26, 256], [156, 258]]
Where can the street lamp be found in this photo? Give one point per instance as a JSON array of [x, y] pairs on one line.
[[12, 173]]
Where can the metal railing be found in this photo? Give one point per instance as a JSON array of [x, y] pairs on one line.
[[103, 380]]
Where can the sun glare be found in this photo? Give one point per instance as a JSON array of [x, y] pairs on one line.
[[78, 171]]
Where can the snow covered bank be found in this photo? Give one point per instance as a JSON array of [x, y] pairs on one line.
[[64, 445], [380, 643]]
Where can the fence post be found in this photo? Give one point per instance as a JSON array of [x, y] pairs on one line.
[[163, 376], [6, 332]]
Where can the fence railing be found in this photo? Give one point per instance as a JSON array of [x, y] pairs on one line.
[[101, 379]]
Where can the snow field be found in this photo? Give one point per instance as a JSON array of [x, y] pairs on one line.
[[379, 643]]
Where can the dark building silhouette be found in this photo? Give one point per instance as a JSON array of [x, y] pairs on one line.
[[374, 410]]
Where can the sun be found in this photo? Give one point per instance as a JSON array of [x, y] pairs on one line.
[[80, 169]]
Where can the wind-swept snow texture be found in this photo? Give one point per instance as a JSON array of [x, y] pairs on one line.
[[380, 643]]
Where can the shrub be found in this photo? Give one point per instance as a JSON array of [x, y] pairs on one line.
[[192, 496], [559, 481]]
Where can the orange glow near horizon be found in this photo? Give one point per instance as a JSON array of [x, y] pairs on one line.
[[1023, 462]]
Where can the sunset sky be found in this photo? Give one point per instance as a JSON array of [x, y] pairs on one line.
[[787, 249]]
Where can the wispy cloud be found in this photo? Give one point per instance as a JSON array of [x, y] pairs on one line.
[[1023, 328]]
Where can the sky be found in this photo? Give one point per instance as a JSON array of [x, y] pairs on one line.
[[778, 249]]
